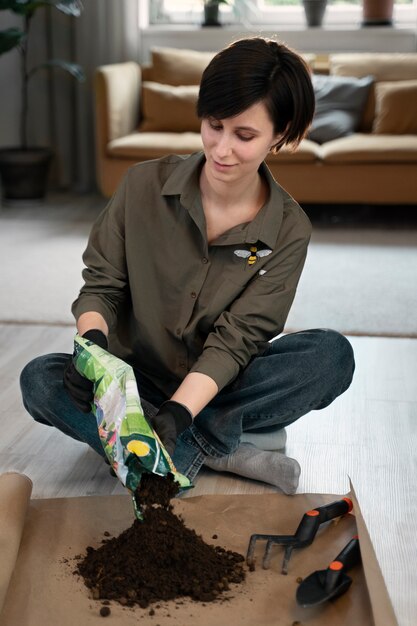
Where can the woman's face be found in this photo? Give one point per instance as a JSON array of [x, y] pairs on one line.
[[236, 146]]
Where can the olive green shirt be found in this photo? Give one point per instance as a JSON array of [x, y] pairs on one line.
[[175, 303]]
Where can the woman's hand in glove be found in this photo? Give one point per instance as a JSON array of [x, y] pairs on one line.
[[170, 421], [80, 389]]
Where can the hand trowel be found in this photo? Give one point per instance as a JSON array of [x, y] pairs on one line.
[[324, 585]]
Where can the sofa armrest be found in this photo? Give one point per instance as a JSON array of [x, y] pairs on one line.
[[117, 101], [116, 109]]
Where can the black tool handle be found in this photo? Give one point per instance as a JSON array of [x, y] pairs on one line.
[[348, 557], [311, 520], [334, 509]]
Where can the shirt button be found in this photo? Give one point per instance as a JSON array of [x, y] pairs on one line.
[[182, 364], [178, 331], [204, 259], [193, 294]]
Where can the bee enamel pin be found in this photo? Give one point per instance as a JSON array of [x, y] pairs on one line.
[[253, 254]]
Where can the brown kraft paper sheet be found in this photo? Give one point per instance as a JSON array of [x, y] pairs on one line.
[[44, 590], [15, 490]]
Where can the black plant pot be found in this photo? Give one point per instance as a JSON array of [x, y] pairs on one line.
[[314, 12], [211, 15], [24, 173]]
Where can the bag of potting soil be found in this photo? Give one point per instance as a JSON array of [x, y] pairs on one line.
[[131, 445]]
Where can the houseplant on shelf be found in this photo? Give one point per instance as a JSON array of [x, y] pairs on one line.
[[24, 168], [314, 11], [211, 12]]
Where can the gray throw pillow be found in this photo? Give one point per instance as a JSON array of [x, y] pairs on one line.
[[340, 101]]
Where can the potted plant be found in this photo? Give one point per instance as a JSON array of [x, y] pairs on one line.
[[314, 11], [24, 168], [211, 12]]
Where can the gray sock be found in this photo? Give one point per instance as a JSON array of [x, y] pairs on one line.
[[269, 467]]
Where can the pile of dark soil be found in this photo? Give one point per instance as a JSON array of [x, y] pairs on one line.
[[158, 558]]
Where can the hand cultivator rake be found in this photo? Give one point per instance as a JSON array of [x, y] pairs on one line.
[[303, 536]]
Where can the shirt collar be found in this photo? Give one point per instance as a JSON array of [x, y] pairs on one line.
[[184, 181]]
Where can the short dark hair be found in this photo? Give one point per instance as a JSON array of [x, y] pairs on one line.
[[257, 69]]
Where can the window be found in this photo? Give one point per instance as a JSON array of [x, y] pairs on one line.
[[262, 12]]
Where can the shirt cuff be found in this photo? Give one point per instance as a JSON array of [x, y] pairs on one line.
[[217, 364], [88, 303]]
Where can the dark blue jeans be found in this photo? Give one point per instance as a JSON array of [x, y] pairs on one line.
[[297, 373]]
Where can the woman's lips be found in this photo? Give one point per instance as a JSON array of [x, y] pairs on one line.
[[221, 166]]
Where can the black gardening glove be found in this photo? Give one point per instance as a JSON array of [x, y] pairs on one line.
[[80, 389], [170, 421]]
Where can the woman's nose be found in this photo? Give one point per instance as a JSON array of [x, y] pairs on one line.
[[224, 145]]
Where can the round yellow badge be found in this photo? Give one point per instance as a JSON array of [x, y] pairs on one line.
[[140, 448]]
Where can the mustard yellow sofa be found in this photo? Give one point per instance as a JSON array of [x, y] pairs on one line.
[[144, 112]]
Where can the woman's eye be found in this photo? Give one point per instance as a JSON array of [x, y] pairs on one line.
[[218, 127]]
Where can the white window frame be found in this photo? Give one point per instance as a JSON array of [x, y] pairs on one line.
[[252, 13]]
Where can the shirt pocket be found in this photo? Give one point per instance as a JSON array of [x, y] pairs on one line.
[[268, 283]]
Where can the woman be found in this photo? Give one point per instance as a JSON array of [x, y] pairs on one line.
[[191, 271]]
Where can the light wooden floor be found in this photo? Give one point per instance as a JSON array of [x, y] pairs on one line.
[[369, 434]]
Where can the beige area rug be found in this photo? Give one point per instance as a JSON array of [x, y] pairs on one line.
[[357, 281]]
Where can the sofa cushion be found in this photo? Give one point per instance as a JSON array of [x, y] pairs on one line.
[[143, 146], [367, 148], [307, 152], [174, 66], [169, 108], [383, 66], [340, 101], [396, 108]]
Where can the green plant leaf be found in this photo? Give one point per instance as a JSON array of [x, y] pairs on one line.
[[8, 4], [28, 7], [72, 68], [70, 7], [10, 38]]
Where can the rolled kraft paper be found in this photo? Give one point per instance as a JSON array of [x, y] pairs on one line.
[[15, 490]]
